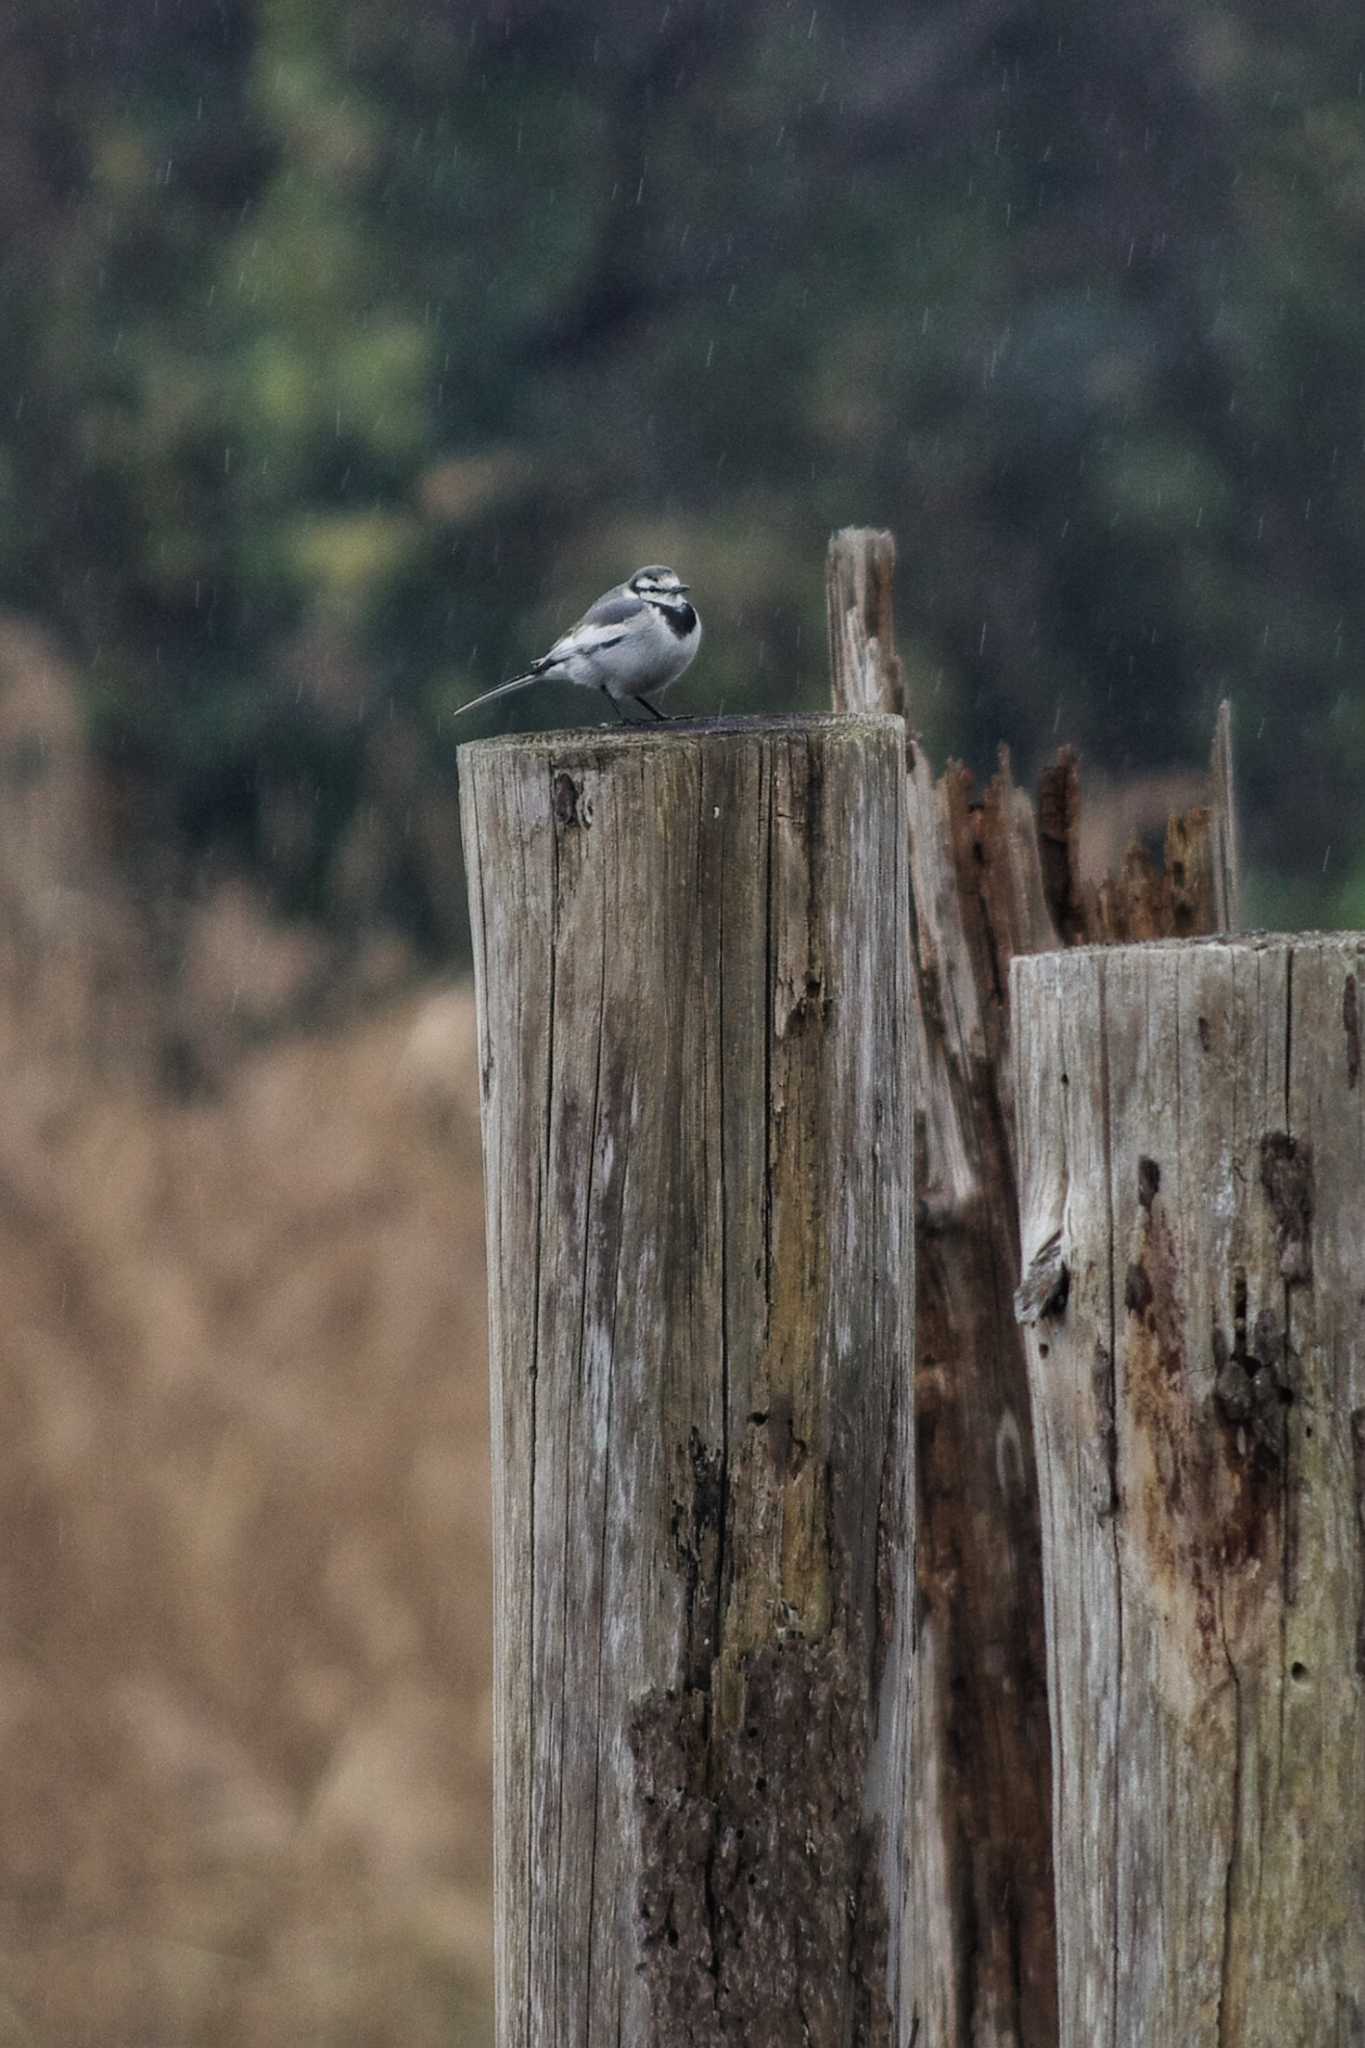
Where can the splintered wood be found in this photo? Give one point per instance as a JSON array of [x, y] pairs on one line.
[[990, 881]]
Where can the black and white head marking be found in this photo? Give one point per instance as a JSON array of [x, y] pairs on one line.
[[658, 584], [665, 590]]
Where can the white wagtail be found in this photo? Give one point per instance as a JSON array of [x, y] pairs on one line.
[[638, 637]]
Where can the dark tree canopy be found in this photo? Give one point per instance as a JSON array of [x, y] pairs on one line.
[[349, 348]]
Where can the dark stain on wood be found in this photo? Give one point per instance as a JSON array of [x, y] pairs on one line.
[[992, 1839], [1350, 1020], [1287, 1179], [1358, 1471], [1105, 1463], [758, 1875], [1137, 1290], [698, 1531], [566, 794], [1059, 824], [1188, 883], [1206, 1480]]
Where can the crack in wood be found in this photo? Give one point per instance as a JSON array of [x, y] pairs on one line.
[[1358, 1488], [1350, 1022]]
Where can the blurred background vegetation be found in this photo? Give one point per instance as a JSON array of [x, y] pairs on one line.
[[350, 346]]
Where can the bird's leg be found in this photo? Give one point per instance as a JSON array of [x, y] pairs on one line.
[[653, 709], [621, 718]]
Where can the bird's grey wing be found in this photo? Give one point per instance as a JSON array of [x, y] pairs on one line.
[[598, 623], [612, 610]]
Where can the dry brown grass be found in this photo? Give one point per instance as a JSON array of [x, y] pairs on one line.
[[244, 1579], [244, 1584]]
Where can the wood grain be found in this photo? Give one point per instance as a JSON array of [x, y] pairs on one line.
[[691, 951], [982, 1946], [989, 880], [1192, 1136]]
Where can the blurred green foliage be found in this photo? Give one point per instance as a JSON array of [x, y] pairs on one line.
[[349, 348]]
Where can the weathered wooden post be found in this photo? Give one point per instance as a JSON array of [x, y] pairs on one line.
[[982, 1948], [989, 880], [691, 949], [1192, 1152]]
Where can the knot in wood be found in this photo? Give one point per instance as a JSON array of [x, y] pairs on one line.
[[566, 795], [1045, 1286], [1251, 1397]]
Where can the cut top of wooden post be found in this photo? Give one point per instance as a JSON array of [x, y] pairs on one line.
[[723, 726]]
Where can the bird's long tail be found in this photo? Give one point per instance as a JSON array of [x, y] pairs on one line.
[[501, 690]]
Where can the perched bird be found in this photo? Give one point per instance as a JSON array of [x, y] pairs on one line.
[[638, 637]]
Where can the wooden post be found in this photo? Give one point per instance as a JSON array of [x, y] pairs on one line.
[[989, 880], [1192, 1152], [982, 1959], [691, 953]]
